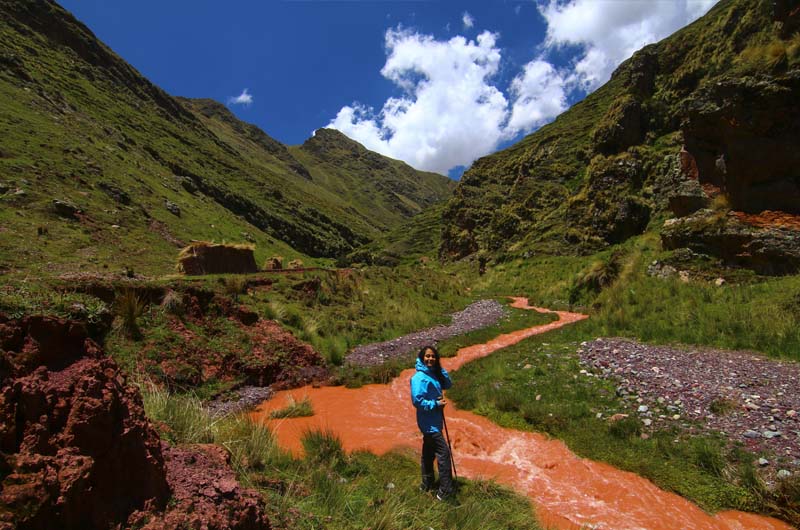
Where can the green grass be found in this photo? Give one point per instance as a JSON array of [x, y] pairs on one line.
[[330, 488], [536, 385], [294, 409], [356, 376], [749, 312], [337, 311], [87, 128]]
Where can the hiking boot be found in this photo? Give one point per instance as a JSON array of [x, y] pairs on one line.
[[442, 496]]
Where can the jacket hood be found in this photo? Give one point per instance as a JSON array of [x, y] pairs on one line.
[[422, 368]]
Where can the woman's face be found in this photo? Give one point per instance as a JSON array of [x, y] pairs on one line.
[[429, 358]]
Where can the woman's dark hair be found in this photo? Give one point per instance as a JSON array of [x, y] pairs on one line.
[[437, 368]]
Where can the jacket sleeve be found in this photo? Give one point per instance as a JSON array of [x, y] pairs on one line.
[[446, 381], [419, 388]]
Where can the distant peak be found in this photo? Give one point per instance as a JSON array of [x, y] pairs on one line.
[[326, 139]]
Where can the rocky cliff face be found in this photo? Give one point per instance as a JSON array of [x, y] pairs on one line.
[[710, 111], [743, 134]]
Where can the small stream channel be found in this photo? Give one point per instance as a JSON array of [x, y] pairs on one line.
[[567, 491]]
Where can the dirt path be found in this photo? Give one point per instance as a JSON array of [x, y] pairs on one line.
[[568, 492]]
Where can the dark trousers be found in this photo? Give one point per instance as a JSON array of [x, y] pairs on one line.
[[434, 445]]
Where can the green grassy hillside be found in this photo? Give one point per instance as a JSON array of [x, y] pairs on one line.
[[140, 173], [598, 175]]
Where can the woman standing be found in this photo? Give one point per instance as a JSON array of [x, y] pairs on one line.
[[426, 395]]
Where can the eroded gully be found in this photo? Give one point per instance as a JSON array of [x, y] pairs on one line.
[[567, 491]]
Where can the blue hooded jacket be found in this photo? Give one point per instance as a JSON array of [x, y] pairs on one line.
[[425, 392]]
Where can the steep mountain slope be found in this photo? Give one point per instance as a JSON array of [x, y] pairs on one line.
[[613, 162], [101, 168], [385, 190]]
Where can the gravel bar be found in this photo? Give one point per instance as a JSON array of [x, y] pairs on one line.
[[744, 395], [477, 315], [245, 398]]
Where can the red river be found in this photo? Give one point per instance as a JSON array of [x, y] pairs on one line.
[[567, 491]]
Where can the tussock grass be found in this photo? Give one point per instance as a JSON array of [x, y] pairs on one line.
[[294, 409], [190, 250], [182, 415], [172, 303], [128, 307], [234, 285]]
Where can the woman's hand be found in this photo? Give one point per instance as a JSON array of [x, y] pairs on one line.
[[441, 402]]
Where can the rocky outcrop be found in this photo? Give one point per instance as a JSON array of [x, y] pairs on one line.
[[679, 185], [767, 250], [606, 209], [621, 127], [743, 134], [70, 429]]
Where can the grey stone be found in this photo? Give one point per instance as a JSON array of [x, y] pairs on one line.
[[173, 208]]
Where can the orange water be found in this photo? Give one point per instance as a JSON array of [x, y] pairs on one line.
[[568, 492]]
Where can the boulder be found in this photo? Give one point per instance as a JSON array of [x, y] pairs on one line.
[[206, 494], [275, 263], [172, 208], [115, 192]]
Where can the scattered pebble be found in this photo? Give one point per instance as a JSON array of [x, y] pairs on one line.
[[742, 394]]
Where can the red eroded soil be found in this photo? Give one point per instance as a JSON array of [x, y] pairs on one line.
[[568, 492], [77, 452], [770, 219]]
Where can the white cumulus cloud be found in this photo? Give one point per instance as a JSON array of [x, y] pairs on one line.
[[467, 19], [449, 113], [539, 96], [610, 32], [242, 99]]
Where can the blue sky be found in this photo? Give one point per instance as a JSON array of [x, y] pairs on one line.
[[435, 83]]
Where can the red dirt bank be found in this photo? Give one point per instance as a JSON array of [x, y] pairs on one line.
[[78, 452]]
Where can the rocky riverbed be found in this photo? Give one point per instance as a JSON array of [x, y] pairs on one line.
[[477, 315], [744, 395]]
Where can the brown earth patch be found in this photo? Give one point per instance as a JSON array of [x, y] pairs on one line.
[[205, 494]]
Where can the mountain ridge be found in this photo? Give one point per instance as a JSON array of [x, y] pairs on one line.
[[144, 171]]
